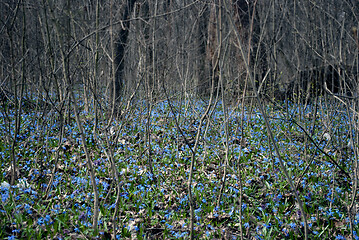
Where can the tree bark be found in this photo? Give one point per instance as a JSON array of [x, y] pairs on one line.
[[120, 47]]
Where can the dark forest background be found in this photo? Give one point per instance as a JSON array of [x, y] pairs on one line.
[[111, 50]]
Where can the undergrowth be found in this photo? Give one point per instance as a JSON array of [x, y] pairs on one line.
[[155, 204]]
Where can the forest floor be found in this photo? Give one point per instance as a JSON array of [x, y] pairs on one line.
[[153, 160]]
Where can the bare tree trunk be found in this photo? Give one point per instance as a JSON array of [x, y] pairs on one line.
[[202, 32], [212, 48], [119, 52], [17, 98]]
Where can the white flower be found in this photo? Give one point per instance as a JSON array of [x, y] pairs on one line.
[[112, 131], [23, 184], [327, 136], [350, 144], [5, 185]]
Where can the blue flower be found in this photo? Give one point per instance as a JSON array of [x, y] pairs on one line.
[[285, 231], [4, 197], [340, 237], [48, 220], [355, 235], [168, 226], [292, 225], [210, 227], [40, 221], [269, 225]]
